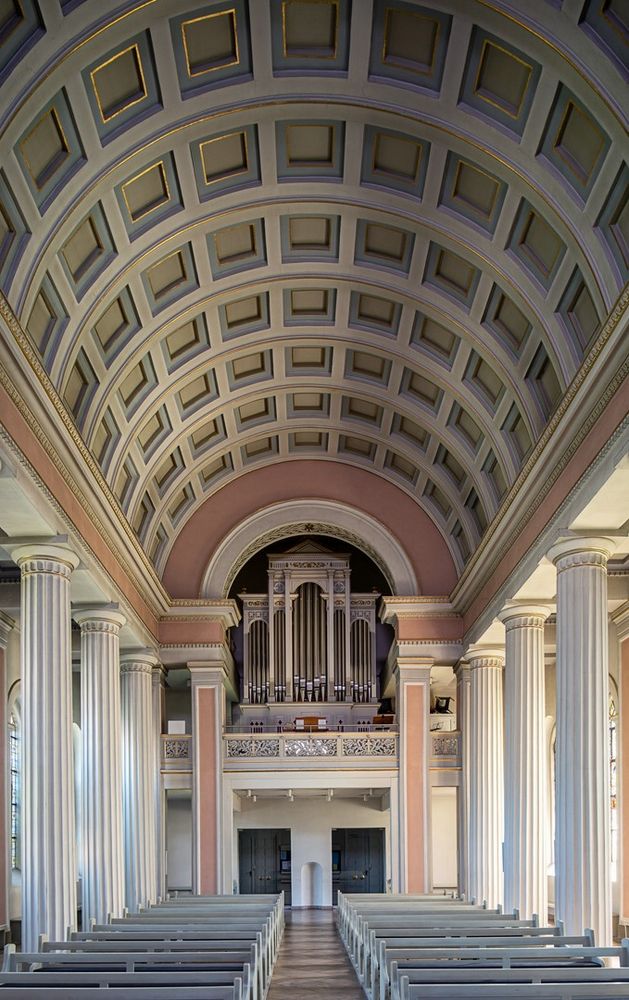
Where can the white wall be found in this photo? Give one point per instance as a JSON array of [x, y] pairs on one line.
[[444, 837], [311, 821], [179, 839]]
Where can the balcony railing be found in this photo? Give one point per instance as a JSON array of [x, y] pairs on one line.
[[326, 748]]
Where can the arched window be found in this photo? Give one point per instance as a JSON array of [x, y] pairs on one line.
[[613, 781], [15, 764]]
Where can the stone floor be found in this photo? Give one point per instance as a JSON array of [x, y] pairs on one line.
[[312, 962]]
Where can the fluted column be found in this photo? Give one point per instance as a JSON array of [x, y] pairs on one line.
[[6, 625], [525, 761], [463, 706], [486, 775], [138, 778], [582, 836], [158, 682], [48, 827], [102, 843]]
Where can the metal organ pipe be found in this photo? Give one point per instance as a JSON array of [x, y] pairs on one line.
[[279, 629]]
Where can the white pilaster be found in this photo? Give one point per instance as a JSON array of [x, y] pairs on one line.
[[48, 827], [413, 712], [158, 682], [525, 761], [582, 836], [138, 778], [463, 716], [486, 775], [208, 715], [6, 626], [102, 843]]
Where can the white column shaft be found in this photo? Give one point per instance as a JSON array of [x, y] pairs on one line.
[[525, 767], [103, 856], [48, 828], [138, 762], [582, 833], [158, 677], [463, 712], [486, 780]]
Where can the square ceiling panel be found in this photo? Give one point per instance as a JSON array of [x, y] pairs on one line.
[[185, 342], [536, 245], [302, 441], [421, 390], [214, 471], [14, 234], [307, 306], [379, 245], [310, 149], [310, 237], [374, 313], [170, 278], [307, 359], [149, 196], [573, 143], [364, 365], [115, 326], [237, 248], [245, 315], [310, 36], [207, 435], [434, 339], [506, 321], [613, 222], [50, 151], [401, 467], [409, 44], [122, 87], [412, 432], [451, 274], [261, 448], [212, 47], [394, 160], [20, 27], [87, 251], [227, 161], [47, 320], [472, 193], [250, 368], [578, 313], [499, 82]]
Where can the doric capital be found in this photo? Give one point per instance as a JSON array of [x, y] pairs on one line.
[[485, 656], [141, 661], [582, 550], [524, 616], [54, 559], [105, 619]]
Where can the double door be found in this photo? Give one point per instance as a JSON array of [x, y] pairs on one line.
[[357, 861], [264, 861]]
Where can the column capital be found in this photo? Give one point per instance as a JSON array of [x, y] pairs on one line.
[[485, 656], [46, 555], [6, 625], [140, 661], [462, 670], [105, 618], [582, 550], [524, 615]]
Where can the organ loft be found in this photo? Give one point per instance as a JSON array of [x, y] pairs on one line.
[[309, 638]]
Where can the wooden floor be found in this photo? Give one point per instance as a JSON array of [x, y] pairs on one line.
[[312, 962]]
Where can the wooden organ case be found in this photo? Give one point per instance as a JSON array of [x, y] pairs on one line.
[[309, 639]]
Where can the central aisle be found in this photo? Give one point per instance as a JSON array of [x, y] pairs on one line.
[[312, 962]]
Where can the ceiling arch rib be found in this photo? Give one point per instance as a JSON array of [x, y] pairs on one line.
[[433, 200]]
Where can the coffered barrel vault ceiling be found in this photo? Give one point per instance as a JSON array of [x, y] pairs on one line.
[[239, 234]]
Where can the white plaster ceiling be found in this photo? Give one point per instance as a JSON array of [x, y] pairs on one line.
[[243, 233]]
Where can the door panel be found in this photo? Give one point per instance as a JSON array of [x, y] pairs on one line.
[[357, 861], [264, 861]]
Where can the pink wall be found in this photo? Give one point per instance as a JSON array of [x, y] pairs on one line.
[[448, 627], [309, 480], [4, 805], [415, 787], [207, 805], [624, 778]]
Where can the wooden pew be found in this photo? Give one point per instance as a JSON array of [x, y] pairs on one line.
[[423, 977], [522, 991]]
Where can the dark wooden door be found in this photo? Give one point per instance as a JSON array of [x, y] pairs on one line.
[[264, 861], [357, 861]]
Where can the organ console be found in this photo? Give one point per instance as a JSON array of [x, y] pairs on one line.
[[309, 639]]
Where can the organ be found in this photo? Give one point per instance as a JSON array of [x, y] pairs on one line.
[[309, 638]]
